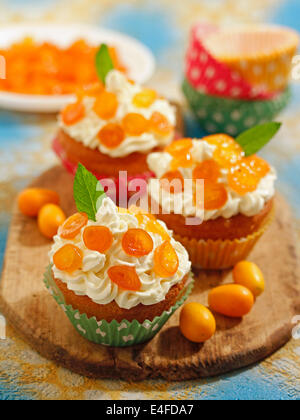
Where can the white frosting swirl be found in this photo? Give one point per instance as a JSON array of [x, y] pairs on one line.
[[87, 129], [249, 204], [93, 281]]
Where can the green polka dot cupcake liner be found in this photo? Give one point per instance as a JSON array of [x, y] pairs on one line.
[[217, 114], [115, 334]]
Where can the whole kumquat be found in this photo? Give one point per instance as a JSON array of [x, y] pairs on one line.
[[249, 275], [73, 113], [50, 218], [73, 225], [197, 323], [137, 243], [98, 238], [111, 135], [68, 258], [232, 300], [31, 200], [135, 124], [106, 105], [125, 277], [166, 261]]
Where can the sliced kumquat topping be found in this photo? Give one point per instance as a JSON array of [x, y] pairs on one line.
[[219, 140], [106, 105], [160, 124], [258, 165], [184, 161], [73, 113], [179, 147], [135, 124], [137, 243], [68, 258], [215, 196], [94, 90], [145, 98], [228, 152], [172, 181], [111, 135], [98, 238], [166, 261], [207, 170], [242, 179], [125, 277], [155, 227], [73, 225]]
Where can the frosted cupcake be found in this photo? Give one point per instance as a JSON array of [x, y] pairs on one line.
[[120, 276], [112, 128], [237, 202]]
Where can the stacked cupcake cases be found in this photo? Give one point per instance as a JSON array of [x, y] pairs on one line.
[[238, 79]]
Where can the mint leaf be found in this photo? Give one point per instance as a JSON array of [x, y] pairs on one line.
[[253, 140], [88, 192], [104, 63]]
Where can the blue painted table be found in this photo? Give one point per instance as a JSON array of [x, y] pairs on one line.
[[25, 152]]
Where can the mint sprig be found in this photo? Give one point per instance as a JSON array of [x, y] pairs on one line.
[[253, 140], [88, 192], [103, 62]]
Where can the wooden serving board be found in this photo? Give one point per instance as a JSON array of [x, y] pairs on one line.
[[29, 307]]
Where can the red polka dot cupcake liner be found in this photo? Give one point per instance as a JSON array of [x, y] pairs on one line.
[[238, 78]]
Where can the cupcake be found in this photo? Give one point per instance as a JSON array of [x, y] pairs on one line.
[[118, 277], [113, 128], [234, 209]]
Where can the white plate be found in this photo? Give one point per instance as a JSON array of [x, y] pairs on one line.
[[136, 57]]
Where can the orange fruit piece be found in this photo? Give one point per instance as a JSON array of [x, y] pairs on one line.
[[68, 258], [106, 105], [160, 124], [98, 238], [179, 147], [153, 226], [31, 200], [111, 135], [166, 261], [73, 113], [208, 170], [228, 151], [50, 218], [125, 277], [145, 98], [172, 181], [232, 300], [184, 161], [215, 196], [258, 165], [137, 243], [197, 323], [73, 225], [242, 179], [135, 124]]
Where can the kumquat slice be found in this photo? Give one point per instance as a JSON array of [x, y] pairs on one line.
[[73, 225], [98, 238], [145, 98], [242, 179], [160, 124], [106, 105], [135, 124], [166, 261], [137, 243], [73, 113], [179, 147], [207, 170], [258, 165], [125, 277], [68, 258], [172, 181], [111, 135], [215, 196]]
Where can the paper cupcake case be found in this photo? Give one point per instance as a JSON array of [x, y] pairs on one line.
[[113, 334], [232, 116], [221, 254]]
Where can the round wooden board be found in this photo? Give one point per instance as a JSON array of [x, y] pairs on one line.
[[29, 307]]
